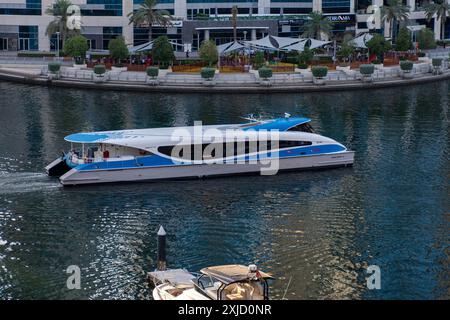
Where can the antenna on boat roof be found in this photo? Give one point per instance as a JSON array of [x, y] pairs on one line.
[[250, 118]]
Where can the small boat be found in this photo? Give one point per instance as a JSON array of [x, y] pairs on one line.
[[258, 146], [226, 282]]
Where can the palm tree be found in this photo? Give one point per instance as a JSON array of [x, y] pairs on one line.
[[316, 26], [441, 9], [395, 11], [234, 12], [148, 15], [60, 11]]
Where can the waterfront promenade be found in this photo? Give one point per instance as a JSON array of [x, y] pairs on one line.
[[167, 81]]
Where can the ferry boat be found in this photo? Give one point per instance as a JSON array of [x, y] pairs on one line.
[[257, 146], [226, 282]]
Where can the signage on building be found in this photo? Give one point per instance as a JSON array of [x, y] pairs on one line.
[[341, 18]]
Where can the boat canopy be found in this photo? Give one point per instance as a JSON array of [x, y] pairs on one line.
[[231, 273], [173, 276], [146, 139]]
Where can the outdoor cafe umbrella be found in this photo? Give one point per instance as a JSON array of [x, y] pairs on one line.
[[272, 42], [229, 47], [360, 42]]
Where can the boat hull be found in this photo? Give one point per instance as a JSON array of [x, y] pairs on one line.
[[178, 172]]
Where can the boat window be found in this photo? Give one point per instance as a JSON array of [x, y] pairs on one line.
[[304, 127], [208, 151]]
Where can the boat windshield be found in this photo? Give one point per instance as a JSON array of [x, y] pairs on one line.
[[304, 127]]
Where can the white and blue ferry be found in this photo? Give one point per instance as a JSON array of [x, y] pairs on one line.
[[196, 152]]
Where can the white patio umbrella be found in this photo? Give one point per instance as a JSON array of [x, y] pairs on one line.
[[299, 46], [360, 42], [229, 47], [142, 47], [317, 43]]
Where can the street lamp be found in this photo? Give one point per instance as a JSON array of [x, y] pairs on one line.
[[57, 43]]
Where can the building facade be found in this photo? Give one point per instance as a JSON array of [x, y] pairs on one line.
[[23, 22]]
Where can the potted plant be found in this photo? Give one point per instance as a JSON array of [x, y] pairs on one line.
[[207, 75], [265, 74], [258, 60], [76, 48], [437, 64], [118, 51], [366, 71], [99, 74], [406, 67], [152, 75], [53, 70], [319, 74], [162, 52]]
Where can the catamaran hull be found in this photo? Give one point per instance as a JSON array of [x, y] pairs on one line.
[[75, 177]]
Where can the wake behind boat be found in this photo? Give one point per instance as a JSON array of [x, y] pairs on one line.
[[258, 146]]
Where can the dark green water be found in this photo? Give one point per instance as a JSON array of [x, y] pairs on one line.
[[320, 229]]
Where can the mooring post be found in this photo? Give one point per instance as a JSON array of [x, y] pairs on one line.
[[161, 264]]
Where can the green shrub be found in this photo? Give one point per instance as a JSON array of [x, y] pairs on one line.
[[265, 73], [426, 40], [208, 52], [305, 56], [421, 54], [37, 54], [99, 69], [162, 52], [292, 59], [258, 61], [406, 65], [437, 62], [378, 45], [208, 73], [319, 71], [118, 50], [403, 42], [76, 47], [54, 67], [302, 65], [376, 61], [366, 69], [152, 72]]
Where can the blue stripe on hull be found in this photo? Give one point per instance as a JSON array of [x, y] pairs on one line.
[[156, 161]]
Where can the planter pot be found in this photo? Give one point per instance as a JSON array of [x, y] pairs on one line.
[[366, 78], [318, 81], [99, 78], [437, 70], [379, 66], [53, 76], [407, 75], [119, 69], [265, 83], [209, 82], [151, 81], [80, 66]]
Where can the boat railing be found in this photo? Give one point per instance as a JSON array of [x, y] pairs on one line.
[[118, 162]]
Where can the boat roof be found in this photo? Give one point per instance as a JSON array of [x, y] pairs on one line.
[[115, 137], [173, 276], [231, 273]]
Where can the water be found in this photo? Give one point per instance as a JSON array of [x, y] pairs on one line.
[[320, 229]]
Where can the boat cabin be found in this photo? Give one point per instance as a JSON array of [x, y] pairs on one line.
[[233, 282]]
